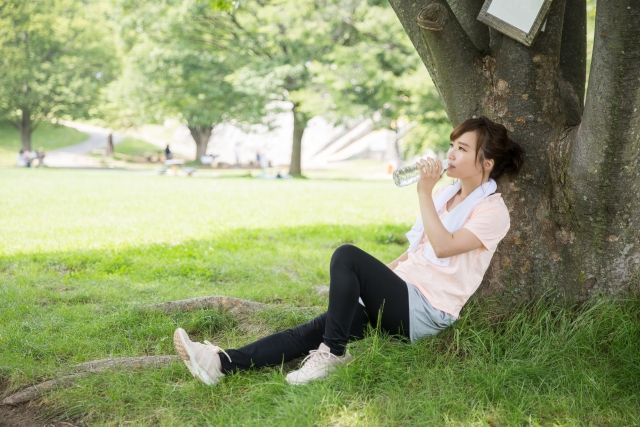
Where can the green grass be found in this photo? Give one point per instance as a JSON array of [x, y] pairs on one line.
[[83, 251], [47, 136], [135, 148]]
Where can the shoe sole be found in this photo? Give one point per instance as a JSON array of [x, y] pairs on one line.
[[180, 338], [297, 382], [293, 381]]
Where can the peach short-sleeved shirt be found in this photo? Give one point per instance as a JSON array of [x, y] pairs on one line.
[[449, 287]]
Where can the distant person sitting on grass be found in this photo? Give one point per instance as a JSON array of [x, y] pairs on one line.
[[417, 295], [24, 158]]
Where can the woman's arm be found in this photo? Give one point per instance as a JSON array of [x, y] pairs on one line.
[[393, 264], [444, 243]]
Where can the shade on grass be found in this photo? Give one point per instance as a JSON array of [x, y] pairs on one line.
[[84, 251]]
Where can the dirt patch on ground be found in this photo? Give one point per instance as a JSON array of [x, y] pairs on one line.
[[18, 417], [27, 416]]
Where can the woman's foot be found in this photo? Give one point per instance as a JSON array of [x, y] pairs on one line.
[[318, 364], [203, 360]]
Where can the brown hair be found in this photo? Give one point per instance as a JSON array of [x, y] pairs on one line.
[[493, 143]]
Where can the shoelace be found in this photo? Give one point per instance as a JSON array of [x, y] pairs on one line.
[[315, 356], [217, 349]]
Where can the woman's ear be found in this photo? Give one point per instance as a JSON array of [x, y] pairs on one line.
[[488, 164]]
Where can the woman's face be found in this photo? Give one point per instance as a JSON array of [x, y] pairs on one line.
[[462, 158]]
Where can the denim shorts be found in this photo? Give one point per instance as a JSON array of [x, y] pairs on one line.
[[425, 319]]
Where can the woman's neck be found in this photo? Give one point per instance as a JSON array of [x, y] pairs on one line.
[[468, 185]]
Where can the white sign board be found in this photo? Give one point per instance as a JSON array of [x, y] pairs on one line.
[[519, 19]]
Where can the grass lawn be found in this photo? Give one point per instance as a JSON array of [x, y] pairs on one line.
[[136, 149], [82, 252], [47, 136]]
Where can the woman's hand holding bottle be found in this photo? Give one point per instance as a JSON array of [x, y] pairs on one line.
[[430, 172]]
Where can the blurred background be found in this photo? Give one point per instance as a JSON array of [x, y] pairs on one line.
[[272, 88]]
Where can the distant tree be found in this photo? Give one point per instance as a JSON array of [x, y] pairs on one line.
[[55, 57], [280, 40], [171, 71], [342, 60]]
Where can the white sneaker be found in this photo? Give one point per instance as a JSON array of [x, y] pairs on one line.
[[318, 364], [202, 360]]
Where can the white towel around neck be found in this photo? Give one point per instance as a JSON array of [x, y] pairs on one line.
[[454, 220]]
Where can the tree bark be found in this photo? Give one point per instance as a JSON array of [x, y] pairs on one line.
[[602, 168], [201, 136], [574, 229], [26, 129], [299, 125]]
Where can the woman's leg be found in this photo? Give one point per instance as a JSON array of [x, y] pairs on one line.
[[355, 273], [287, 345]]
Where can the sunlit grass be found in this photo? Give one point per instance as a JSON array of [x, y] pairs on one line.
[[136, 147], [49, 210]]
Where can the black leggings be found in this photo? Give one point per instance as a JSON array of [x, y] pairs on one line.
[[353, 273]]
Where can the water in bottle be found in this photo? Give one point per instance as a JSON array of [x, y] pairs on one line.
[[410, 174]]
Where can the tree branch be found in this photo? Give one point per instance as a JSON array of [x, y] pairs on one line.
[[604, 160], [443, 45], [252, 39], [573, 58], [466, 11]]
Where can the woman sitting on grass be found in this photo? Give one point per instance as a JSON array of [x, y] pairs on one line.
[[417, 295]]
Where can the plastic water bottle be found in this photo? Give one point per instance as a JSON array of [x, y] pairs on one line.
[[410, 174]]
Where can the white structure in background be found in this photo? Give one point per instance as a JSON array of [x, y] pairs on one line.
[[322, 142]]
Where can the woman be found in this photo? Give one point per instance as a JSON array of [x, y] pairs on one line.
[[417, 295]]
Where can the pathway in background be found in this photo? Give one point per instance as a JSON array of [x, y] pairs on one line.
[[78, 155]]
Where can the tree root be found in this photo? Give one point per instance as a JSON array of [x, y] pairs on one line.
[[84, 369], [234, 305]]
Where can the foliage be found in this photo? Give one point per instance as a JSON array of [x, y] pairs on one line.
[[291, 52], [376, 70], [56, 57], [172, 72]]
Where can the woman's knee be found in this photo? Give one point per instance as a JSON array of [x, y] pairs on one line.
[[345, 254]]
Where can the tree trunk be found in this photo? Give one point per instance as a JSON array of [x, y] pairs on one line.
[[26, 129], [299, 124], [574, 224], [201, 136]]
